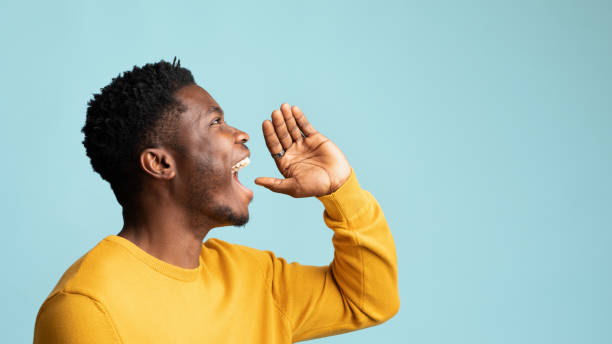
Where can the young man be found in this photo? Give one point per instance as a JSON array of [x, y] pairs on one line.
[[162, 143]]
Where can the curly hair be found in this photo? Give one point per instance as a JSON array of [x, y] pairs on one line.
[[137, 110]]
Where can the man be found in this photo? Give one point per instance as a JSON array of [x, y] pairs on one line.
[[172, 160]]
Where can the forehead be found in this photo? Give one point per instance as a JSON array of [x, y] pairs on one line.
[[196, 99]]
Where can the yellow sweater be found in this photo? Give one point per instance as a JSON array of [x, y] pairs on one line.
[[118, 293]]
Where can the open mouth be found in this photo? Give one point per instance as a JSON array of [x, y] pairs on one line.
[[240, 165], [237, 167]]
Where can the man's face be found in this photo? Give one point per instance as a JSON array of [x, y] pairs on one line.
[[210, 147]]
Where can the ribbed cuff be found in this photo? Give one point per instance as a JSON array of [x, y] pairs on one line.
[[346, 201]]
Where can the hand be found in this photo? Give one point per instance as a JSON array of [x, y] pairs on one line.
[[312, 165]]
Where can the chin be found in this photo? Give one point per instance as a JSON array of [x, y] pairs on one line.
[[240, 217], [230, 217], [240, 221]]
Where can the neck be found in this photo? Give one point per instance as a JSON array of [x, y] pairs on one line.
[[165, 233]]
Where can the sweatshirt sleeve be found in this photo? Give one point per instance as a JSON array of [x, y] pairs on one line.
[[359, 288], [73, 318]]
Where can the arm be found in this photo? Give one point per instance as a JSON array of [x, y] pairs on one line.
[[73, 318], [359, 288]]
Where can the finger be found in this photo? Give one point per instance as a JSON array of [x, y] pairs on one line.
[[294, 131], [272, 141], [286, 186], [302, 122], [281, 129]]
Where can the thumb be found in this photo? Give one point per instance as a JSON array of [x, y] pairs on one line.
[[286, 186]]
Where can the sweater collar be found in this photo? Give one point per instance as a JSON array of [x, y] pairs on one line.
[[157, 264]]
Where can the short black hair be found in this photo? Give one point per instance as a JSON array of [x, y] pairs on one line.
[[137, 110]]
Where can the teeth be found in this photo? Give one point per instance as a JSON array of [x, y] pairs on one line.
[[240, 164]]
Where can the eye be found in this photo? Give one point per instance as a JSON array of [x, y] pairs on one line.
[[217, 120]]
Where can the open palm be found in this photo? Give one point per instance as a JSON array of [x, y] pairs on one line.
[[312, 164]]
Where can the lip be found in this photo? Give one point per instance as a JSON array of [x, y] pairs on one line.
[[247, 191], [247, 155]]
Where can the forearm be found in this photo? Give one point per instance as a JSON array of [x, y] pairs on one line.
[[365, 262]]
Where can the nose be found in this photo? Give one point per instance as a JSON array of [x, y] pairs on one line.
[[240, 136]]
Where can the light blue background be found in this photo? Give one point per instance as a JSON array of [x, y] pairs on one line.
[[482, 127]]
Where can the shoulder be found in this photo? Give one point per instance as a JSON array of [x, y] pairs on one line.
[[70, 305], [89, 274], [229, 250], [72, 317], [240, 255]]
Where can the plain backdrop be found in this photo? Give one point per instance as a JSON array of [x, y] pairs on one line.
[[483, 128]]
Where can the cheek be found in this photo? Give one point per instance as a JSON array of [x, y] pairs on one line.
[[213, 166], [214, 154], [219, 152]]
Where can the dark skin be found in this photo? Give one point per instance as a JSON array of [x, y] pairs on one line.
[[191, 190]]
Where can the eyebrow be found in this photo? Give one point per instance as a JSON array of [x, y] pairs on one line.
[[210, 110], [213, 109]]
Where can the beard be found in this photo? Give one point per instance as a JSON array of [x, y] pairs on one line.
[[205, 185], [229, 216]]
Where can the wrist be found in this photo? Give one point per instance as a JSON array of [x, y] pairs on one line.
[[347, 200]]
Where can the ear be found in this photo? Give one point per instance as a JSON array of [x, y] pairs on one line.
[[158, 163]]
